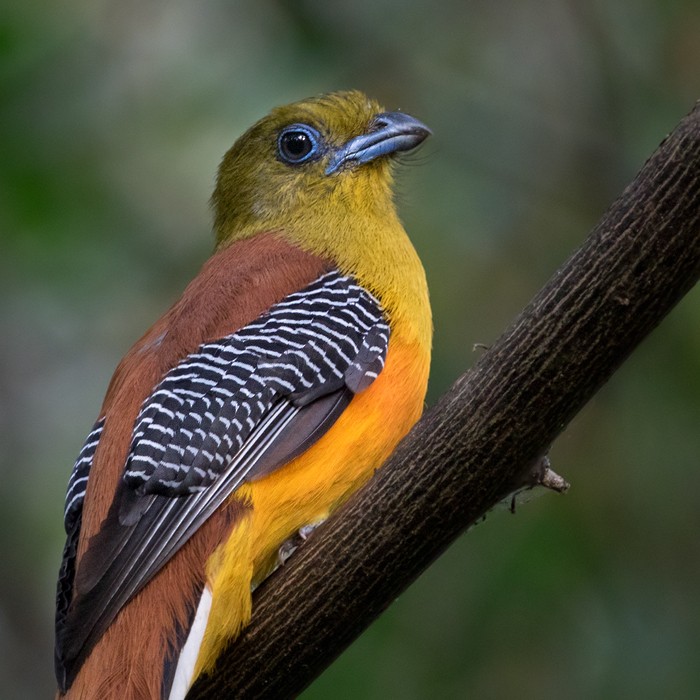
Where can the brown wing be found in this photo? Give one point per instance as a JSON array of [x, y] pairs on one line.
[[233, 288], [235, 409]]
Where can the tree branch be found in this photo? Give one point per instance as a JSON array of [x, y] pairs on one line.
[[479, 442]]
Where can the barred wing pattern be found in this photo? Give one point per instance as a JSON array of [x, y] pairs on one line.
[[234, 410], [75, 493], [72, 516], [328, 336]]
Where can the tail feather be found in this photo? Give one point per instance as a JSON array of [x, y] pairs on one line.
[[184, 671], [138, 654]]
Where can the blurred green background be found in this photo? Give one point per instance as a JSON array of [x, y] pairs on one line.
[[114, 116]]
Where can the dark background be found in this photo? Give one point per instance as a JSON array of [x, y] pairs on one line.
[[113, 118]]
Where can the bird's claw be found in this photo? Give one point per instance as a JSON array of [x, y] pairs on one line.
[[288, 547]]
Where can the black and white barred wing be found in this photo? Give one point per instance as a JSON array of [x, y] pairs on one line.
[[329, 339], [72, 516], [235, 410]]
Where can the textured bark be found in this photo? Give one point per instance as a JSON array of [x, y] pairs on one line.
[[479, 441]]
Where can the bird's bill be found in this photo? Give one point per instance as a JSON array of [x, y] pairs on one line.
[[389, 133]]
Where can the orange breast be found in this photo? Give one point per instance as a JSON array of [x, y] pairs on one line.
[[311, 486]]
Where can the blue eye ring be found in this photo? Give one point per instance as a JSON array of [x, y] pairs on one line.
[[298, 143]]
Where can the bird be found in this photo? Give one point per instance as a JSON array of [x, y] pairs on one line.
[[277, 384]]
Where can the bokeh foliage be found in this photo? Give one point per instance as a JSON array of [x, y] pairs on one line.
[[114, 117]]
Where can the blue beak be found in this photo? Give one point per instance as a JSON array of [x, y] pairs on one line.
[[389, 133]]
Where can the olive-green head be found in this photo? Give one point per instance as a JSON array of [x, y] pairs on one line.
[[327, 156]]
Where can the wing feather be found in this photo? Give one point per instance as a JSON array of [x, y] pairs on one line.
[[235, 410]]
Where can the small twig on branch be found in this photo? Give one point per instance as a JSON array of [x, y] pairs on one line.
[[483, 435]]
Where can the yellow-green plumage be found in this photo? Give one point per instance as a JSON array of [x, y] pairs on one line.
[[280, 224], [348, 217]]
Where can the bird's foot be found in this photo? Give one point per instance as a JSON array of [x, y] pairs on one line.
[[288, 547]]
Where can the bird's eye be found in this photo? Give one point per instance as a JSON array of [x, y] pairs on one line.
[[298, 143]]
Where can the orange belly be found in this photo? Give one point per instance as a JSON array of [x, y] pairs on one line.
[[310, 487]]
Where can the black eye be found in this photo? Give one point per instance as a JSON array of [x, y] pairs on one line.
[[298, 143]]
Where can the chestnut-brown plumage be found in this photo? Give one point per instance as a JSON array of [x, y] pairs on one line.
[[285, 374]]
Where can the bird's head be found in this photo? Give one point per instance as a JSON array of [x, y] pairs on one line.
[[314, 165]]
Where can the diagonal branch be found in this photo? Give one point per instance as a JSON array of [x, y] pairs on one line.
[[479, 441]]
